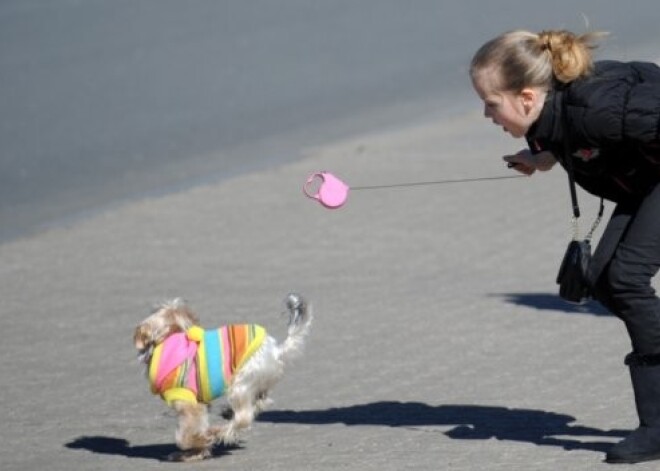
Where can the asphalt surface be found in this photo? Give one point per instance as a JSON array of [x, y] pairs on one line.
[[438, 340]]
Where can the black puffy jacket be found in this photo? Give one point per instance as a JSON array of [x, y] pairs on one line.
[[611, 129]]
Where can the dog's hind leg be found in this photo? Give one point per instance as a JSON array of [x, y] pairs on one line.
[[262, 401], [243, 409]]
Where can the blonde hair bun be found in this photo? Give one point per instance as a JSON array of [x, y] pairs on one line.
[[571, 54], [527, 59]]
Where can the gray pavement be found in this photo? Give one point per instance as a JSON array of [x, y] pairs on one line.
[[438, 340]]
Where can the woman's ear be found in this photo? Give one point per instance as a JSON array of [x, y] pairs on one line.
[[532, 100], [529, 98]]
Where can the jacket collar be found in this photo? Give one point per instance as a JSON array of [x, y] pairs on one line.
[[547, 132]]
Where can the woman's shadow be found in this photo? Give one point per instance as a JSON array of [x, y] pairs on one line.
[[552, 302], [468, 422]]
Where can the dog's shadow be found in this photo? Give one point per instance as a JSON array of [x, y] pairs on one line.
[[467, 422], [120, 446]]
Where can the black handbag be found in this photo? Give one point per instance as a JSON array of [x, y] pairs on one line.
[[574, 277]]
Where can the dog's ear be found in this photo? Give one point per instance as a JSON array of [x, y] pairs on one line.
[[142, 337], [179, 317], [185, 318]]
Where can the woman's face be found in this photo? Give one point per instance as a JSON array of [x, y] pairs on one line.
[[515, 112]]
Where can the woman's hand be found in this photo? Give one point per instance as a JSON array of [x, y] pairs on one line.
[[527, 163], [522, 162]]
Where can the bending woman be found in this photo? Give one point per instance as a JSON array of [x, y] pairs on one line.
[[546, 88]]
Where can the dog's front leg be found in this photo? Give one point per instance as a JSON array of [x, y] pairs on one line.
[[192, 435]]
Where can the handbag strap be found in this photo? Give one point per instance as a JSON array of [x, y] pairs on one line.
[[571, 177]]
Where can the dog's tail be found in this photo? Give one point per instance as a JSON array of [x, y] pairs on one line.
[[300, 319]]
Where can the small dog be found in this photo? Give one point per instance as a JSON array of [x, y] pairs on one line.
[[189, 367]]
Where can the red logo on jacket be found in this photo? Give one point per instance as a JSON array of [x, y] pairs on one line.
[[587, 154]]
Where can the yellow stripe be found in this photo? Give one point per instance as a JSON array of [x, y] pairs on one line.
[[202, 376], [179, 394], [253, 346], [153, 367]]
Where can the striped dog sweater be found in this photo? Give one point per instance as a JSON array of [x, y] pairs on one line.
[[197, 366]]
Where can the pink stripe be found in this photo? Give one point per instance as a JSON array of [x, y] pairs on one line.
[[169, 359], [226, 353], [175, 350], [192, 378]]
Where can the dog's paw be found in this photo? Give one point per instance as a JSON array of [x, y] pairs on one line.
[[217, 432], [189, 456]]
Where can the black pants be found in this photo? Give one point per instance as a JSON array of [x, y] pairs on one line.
[[624, 263]]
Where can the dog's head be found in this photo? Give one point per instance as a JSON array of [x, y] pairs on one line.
[[166, 319]]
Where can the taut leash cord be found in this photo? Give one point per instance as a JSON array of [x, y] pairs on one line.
[[438, 182]]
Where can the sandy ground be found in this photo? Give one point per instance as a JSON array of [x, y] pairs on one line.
[[438, 342]]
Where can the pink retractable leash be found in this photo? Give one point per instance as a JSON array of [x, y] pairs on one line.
[[332, 193]]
